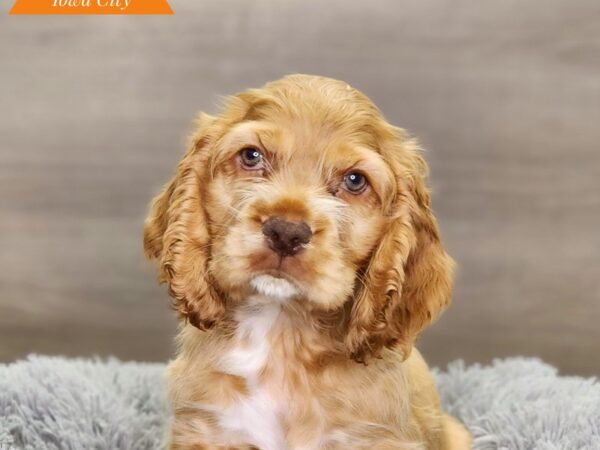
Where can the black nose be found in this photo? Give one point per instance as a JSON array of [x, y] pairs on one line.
[[284, 237]]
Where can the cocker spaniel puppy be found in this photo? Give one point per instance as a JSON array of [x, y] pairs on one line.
[[300, 250]]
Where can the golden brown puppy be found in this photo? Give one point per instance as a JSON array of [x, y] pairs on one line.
[[298, 243]]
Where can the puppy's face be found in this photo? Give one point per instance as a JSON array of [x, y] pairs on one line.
[[294, 208], [300, 191]]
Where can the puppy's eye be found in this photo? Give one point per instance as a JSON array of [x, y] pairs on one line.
[[251, 158], [355, 182]]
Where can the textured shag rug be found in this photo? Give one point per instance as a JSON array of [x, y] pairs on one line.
[[49, 403]]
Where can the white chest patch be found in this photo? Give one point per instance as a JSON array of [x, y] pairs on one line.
[[255, 419]]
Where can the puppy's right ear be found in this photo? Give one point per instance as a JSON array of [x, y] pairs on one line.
[[176, 233]]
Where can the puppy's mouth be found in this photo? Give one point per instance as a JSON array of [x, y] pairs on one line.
[[292, 269], [275, 284]]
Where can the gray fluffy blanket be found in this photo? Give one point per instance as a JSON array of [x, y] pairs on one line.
[[54, 403]]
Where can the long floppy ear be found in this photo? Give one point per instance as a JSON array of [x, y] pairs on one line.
[[408, 280], [176, 234]]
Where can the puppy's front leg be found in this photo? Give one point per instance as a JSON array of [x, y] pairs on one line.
[[386, 444], [207, 447], [456, 436], [176, 444], [366, 436], [196, 432]]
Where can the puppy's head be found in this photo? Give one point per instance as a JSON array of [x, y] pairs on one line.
[[301, 191]]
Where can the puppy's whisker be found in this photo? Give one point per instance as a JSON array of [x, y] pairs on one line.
[[268, 165], [237, 211]]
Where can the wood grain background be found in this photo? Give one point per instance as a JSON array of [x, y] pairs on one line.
[[505, 95]]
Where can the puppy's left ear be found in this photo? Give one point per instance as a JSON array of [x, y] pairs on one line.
[[408, 281]]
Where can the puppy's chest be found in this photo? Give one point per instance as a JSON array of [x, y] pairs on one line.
[[258, 417]]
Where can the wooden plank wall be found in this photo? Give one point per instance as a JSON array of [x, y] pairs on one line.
[[505, 95]]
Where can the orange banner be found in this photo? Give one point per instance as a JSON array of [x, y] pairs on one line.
[[91, 7]]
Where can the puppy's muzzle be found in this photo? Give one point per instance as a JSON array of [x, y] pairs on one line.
[[284, 237]]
